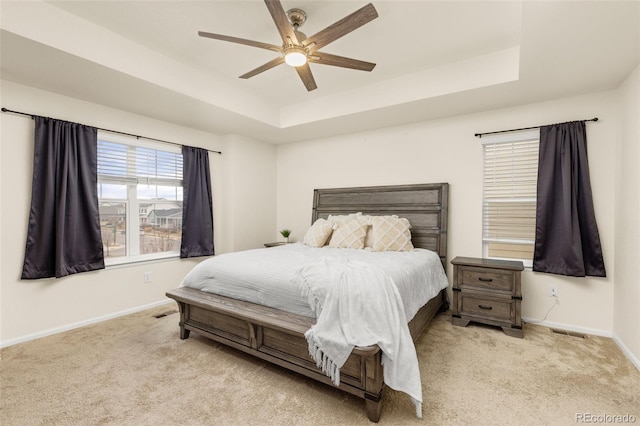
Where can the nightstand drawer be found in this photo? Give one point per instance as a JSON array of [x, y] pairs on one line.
[[494, 279], [486, 308]]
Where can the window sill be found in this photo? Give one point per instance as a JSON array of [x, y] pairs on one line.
[[125, 261]]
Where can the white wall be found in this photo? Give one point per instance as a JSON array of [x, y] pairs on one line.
[[627, 218], [32, 308], [250, 191], [447, 151]]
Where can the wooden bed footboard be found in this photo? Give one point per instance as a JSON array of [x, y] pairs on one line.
[[278, 337]]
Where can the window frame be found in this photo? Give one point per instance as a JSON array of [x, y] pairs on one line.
[[533, 136], [132, 203]]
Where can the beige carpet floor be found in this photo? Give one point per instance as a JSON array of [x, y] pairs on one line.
[[135, 370]]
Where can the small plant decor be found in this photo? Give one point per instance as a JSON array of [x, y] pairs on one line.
[[285, 233]]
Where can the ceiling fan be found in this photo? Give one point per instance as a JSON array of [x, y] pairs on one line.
[[297, 49]]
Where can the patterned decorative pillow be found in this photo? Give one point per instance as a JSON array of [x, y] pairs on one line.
[[319, 233], [349, 234], [391, 233]]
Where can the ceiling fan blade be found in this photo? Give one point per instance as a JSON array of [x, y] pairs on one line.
[[277, 61], [304, 71], [241, 41], [342, 27], [340, 61], [282, 22]]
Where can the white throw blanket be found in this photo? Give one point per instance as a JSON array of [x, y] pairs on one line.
[[360, 306]]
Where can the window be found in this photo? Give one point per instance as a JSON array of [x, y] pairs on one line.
[[509, 195], [140, 199]]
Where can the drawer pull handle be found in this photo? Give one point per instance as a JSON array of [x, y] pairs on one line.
[[488, 308], [486, 280]]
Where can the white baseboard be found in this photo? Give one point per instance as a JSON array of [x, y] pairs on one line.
[[632, 357], [569, 327], [82, 323], [595, 332]]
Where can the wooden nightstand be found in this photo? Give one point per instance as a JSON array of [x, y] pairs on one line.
[[487, 291], [276, 244]]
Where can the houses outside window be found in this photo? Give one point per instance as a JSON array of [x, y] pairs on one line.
[[509, 195], [140, 199]]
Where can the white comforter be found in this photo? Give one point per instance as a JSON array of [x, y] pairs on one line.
[[267, 276]]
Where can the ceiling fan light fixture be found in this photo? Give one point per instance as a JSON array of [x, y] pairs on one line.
[[295, 56]]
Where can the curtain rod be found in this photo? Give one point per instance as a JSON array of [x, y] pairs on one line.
[[106, 130], [479, 135]]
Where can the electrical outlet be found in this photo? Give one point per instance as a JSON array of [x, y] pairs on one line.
[[147, 277], [553, 290]]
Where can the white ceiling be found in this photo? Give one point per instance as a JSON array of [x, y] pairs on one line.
[[434, 59]]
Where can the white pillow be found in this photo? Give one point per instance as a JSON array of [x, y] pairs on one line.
[[319, 233], [391, 233], [349, 234]]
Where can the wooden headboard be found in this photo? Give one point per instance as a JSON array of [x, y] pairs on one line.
[[424, 205]]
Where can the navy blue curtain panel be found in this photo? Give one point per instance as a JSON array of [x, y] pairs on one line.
[[197, 209], [567, 241], [64, 223]]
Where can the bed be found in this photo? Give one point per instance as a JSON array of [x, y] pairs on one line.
[[277, 336]]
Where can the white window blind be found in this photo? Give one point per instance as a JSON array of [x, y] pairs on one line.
[[127, 164], [509, 198]]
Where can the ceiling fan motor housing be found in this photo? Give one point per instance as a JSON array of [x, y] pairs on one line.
[[297, 17]]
